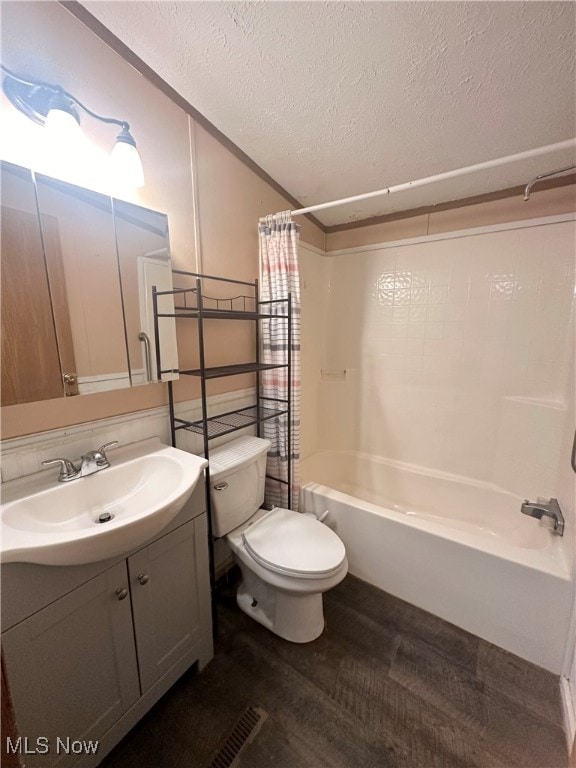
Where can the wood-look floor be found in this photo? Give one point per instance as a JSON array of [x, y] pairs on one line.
[[385, 686]]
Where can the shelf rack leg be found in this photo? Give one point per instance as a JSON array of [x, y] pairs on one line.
[[289, 415], [156, 332], [258, 379], [172, 414], [202, 362]]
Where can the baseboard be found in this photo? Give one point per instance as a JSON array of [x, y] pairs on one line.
[[568, 712]]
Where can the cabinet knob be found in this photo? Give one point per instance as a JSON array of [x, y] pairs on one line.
[[143, 578], [121, 593]]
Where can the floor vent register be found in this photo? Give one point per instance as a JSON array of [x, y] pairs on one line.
[[243, 733]]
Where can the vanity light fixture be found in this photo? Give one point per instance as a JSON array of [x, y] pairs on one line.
[[56, 109]]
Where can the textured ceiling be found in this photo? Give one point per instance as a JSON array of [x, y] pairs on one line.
[[335, 99]]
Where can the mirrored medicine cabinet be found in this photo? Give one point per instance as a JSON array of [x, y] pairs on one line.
[[77, 274]]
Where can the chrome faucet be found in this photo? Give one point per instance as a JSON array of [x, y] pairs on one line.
[[545, 508], [91, 462], [94, 461]]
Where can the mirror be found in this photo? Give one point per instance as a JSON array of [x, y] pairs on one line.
[[77, 274], [78, 233], [144, 257], [31, 365]]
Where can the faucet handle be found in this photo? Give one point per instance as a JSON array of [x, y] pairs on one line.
[[107, 445], [103, 458], [67, 468]]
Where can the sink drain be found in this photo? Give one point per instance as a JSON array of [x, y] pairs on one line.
[[104, 517]]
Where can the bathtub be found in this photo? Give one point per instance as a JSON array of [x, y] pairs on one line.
[[456, 547]]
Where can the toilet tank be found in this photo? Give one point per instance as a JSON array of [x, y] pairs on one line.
[[237, 476]]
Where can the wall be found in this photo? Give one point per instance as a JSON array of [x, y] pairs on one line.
[[453, 338], [458, 355], [315, 271], [186, 170], [549, 202]]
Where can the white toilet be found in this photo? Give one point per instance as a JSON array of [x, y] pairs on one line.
[[287, 559]]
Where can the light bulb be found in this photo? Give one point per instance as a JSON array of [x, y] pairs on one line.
[[62, 125], [64, 143], [126, 163]]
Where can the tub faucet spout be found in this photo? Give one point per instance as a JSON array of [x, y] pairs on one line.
[[545, 508]]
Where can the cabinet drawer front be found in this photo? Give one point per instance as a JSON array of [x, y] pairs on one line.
[[167, 615], [72, 667]]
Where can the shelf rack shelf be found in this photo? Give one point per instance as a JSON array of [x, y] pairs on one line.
[[222, 314], [193, 303], [232, 421], [230, 370]]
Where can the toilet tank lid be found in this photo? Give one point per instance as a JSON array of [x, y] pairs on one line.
[[233, 455]]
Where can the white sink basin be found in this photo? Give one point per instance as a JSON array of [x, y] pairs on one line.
[[51, 523]]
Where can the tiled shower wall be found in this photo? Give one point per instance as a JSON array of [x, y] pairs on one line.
[[457, 353]]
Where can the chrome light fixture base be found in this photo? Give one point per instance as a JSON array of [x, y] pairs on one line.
[[35, 99]]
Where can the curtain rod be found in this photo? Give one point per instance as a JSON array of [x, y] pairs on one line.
[[561, 145]]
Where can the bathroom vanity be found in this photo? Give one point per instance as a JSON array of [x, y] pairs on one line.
[[90, 648]]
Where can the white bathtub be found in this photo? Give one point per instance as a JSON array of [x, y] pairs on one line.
[[453, 546]]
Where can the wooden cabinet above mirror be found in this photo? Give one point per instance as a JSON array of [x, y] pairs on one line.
[[75, 301]]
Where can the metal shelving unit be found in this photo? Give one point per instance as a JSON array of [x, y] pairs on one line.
[[195, 304]]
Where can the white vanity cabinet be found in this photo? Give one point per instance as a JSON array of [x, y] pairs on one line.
[[90, 663], [165, 601], [72, 667]]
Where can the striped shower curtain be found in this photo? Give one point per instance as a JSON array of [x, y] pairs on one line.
[[279, 237]]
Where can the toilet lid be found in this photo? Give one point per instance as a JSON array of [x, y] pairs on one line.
[[289, 542]]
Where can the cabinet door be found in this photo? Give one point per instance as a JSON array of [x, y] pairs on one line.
[[72, 667], [29, 343], [169, 614]]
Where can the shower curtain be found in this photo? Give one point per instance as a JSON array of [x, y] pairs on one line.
[[279, 237]]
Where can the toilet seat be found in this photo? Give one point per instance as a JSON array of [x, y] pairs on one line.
[[293, 544]]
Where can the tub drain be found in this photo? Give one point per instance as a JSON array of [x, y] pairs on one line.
[[105, 517]]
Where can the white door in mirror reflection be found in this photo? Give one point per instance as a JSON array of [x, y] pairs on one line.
[[154, 269]]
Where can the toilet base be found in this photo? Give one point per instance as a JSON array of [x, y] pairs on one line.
[[298, 618]]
